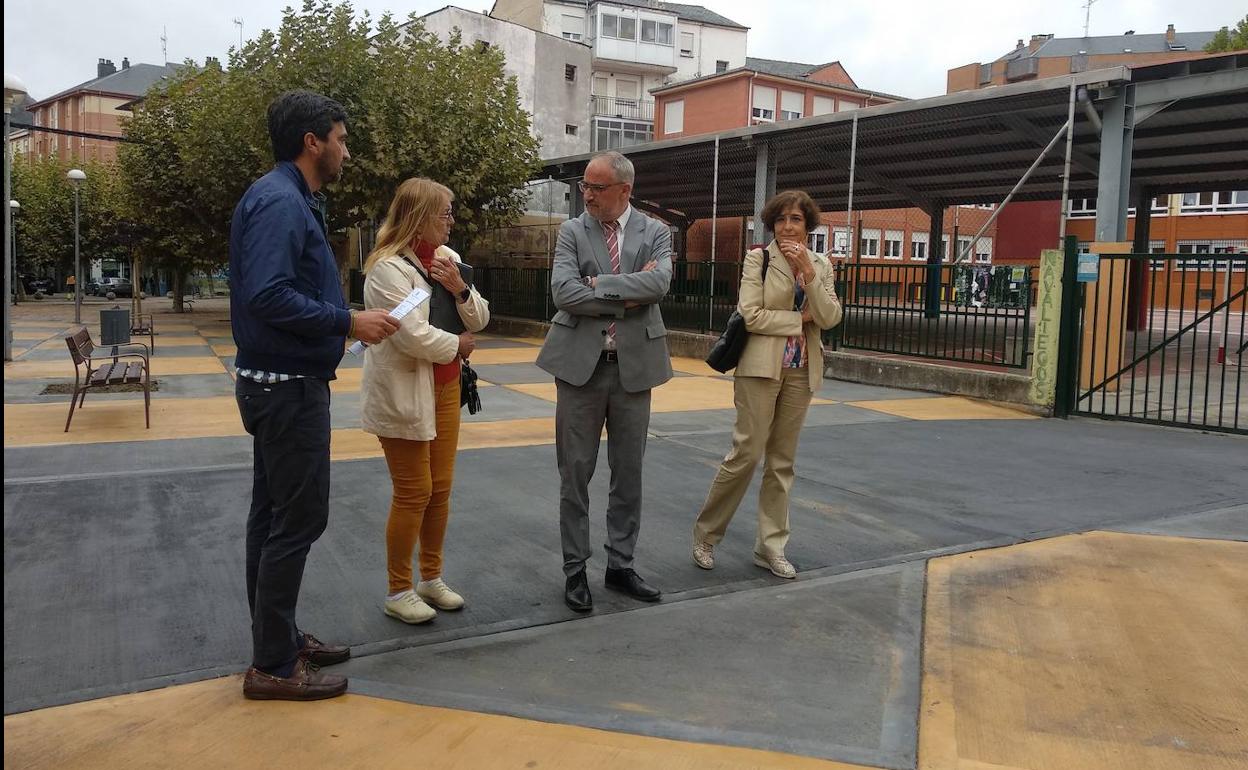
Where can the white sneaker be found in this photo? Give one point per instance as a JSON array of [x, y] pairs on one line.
[[408, 608], [704, 555], [779, 566], [437, 593]]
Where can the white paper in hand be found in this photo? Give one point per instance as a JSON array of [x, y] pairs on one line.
[[409, 303]]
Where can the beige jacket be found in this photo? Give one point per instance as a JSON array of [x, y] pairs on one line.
[[396, 397], [767, 308]]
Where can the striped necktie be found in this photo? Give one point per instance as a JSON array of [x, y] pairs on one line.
[[611, 230]]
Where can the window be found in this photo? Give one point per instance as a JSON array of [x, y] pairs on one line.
[[840, 240], [944, 248], [610, 25], [1082, 208], [892, 244], [983, 251], [612, 134], [869, 245], [628, 28], [674, 117], [791, 104], [600, 86], [1209, 247], [823, 105], [764, 104], [1157, 247], [573, 27], [1214, 202], [569, 129], [843, 106], [656, 32], [918, 247], [686, 44], [964, 246], [817, 241], [721, 66], [626, 89], [569, 72]]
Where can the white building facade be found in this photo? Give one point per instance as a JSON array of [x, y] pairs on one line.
[[635, 47]]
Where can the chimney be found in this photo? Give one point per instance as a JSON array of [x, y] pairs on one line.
[[212, 62], [1019, 45], [105, 67], [1036, 42], [1169, 33], [125, 63], [1129, 32]]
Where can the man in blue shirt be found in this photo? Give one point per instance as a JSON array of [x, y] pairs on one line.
[[290, 324]]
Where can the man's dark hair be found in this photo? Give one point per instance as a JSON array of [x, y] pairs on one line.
[[294, 113]]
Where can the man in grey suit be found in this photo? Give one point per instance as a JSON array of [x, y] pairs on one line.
[[607, 347]]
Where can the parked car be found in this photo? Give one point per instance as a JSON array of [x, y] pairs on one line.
[[118, 286]]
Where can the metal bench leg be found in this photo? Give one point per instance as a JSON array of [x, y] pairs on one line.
[[72, 403], [147, 397]]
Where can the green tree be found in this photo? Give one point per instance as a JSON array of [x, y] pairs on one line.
[[44, 227], [415, 108], [1227, 39]]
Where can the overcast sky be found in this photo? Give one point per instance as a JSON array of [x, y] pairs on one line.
[[902, 47]]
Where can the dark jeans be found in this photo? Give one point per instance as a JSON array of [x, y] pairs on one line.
[[289, 504]]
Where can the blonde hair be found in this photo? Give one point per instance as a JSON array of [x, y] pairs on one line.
[[415, 202]]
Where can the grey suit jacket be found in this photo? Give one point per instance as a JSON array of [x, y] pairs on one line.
[[574, 343]]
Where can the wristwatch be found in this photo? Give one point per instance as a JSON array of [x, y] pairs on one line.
[[465, 294]]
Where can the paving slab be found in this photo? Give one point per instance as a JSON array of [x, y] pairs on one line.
[[826, 668], [1224, 523]]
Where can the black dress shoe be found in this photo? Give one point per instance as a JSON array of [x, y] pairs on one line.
[[629, 582], [318, 653], [576, 593]]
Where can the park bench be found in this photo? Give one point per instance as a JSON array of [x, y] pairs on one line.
[[143, 325], [104, 366]]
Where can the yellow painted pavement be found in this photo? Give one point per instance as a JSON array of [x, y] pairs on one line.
[[225, 350], [679, 394], [19, 370], [944, 408], [355, 444], [1101, 651], [102, 421], [210, 725]]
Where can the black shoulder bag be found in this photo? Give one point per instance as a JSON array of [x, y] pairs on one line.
[[726, 352]]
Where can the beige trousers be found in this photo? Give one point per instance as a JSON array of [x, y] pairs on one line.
[[769, 419]]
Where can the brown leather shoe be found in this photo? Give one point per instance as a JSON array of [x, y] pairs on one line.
[[306, 682], [318, 653]]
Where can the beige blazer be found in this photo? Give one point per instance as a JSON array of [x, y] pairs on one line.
[[767, 308], [396, 396]]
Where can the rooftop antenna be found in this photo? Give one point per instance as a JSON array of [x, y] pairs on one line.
[[238, 22], [164, 45], [1087, 16]]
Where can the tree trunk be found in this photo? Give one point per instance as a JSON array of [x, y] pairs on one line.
[[179, 289]]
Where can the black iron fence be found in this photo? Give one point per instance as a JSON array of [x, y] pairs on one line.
[[1162, 340], [985, 312]]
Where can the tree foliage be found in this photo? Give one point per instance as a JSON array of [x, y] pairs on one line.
[[416, 107], [1227, 39]]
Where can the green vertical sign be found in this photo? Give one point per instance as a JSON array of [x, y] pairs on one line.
[[1048, 321]]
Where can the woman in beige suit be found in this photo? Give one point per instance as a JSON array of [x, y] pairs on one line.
[[778, 374], [410, 393]]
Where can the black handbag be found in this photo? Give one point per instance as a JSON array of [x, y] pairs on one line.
[[468, 395], [726, 352]]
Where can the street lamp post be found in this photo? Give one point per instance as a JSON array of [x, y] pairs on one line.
[[14, 209], [77, 176], [13, 91]]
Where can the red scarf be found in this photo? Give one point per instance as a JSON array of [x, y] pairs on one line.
[[442, 373]]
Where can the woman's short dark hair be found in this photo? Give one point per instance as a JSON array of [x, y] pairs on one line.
[[294, 113], [790, 199]]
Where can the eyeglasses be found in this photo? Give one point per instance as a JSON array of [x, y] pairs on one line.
[[448, 215], [596, 188]]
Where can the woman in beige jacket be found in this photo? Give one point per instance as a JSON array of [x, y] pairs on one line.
[[410, 394], [780, 369]]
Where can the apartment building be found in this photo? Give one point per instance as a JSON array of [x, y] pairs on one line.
[[90, 107], [635, 48]]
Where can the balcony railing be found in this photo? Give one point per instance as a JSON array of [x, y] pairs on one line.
[[630, 109]]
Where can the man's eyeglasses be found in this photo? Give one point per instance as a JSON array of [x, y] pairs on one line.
[[595, 188]]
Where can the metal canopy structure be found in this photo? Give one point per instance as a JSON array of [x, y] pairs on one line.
[[1184, 128]]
